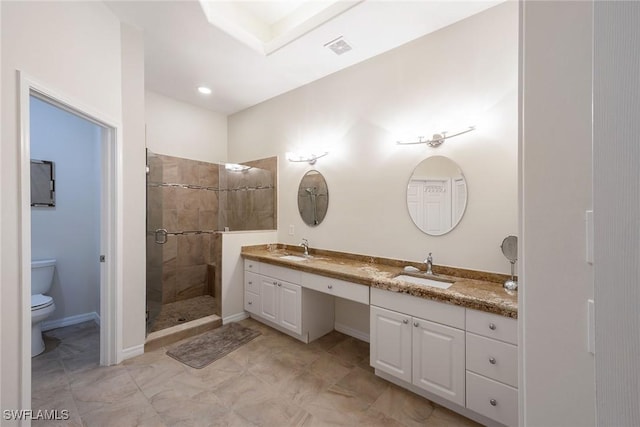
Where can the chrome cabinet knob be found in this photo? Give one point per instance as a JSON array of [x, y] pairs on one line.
[[279, 284], [416, 324], [493, 402], [330, 286], [405, 321], [275, 283], [492, 326], [250, 302], [250, 282], [492, 360]]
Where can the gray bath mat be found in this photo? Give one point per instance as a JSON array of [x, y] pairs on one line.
[[212, 345]]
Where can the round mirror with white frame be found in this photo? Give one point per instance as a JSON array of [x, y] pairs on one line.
[[437, 195], [313, 198]]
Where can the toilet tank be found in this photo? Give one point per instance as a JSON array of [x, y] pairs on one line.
[[42, 275]]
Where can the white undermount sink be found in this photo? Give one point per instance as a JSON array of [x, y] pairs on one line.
[[423, 281], [293, 258]]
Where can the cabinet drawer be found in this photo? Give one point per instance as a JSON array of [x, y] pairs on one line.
[[252, 302], [494, 359], [336, 287], [252, 282], [492, 399], [492, 326], [446, 314], [280, 273], [250, 265]]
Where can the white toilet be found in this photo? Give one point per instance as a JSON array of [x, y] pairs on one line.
[[41, 305]]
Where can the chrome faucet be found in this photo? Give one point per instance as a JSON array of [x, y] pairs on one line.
[[305, 245], [429, 262]]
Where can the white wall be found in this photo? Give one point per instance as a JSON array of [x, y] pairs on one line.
[[461, 75], [135, 184], [70, 231], [617, 210], [75, 49], [557, 386], [178, 129]]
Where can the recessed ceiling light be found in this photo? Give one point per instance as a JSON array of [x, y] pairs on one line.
[[204, 90]]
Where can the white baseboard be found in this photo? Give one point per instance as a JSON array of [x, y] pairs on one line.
[[235, 317], [71, 320], [128, 353], [362, 336]]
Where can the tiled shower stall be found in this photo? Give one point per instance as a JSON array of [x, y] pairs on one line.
[[189, 203]]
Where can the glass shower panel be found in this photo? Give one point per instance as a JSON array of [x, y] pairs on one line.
[[154, 250]]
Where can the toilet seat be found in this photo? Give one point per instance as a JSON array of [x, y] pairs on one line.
[[40, 301]]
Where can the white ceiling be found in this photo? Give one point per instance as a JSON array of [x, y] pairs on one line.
[[184, 51]]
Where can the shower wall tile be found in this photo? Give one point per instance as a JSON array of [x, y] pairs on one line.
[[190, 250], [170, 220], [188, 198], [208, 174], [169, 197], [188, 219], [169, 169], [155, 167], [207, 240], [190, 281], [169, 283], [188, 172], [208, 220], [170, 250], [208, 200]]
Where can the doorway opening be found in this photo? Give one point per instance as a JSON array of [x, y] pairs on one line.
[[99, 288]]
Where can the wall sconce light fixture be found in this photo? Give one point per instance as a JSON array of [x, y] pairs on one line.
[[309, 158], [437, 139], [234, 167]]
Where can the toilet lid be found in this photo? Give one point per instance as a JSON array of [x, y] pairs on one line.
[[40, 300]]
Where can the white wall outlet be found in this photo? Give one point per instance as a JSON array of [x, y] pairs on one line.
[[292, 230]]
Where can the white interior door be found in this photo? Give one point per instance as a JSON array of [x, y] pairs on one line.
[[436, 205]]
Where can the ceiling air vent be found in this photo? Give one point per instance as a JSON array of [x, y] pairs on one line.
[[338, 46]]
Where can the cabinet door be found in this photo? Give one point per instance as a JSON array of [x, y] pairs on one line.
[[390, 346], [290, 304], [268, 298], [438, 359]]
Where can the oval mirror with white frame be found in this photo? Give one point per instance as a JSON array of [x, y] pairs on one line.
[[313, 198], [437, 195]]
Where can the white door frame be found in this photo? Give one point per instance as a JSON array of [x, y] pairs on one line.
[[110, 225]]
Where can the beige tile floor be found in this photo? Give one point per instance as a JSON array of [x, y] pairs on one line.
[[272, 381]]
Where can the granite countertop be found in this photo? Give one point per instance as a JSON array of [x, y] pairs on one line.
[[472, 289]]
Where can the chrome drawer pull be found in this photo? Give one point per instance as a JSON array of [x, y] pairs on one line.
[[250, 302], [330, 286], [492, 360], [405, 321], [416, 324], [492, 326], [493, 402]]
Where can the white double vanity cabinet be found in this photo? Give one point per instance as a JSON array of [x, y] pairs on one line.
[[462, 358]]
